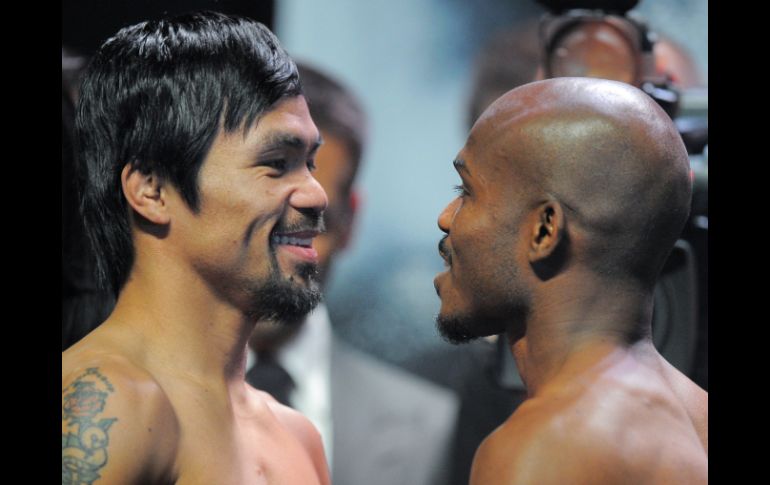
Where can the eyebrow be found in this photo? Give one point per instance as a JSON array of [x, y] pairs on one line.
[[277, 141], [460, 166]]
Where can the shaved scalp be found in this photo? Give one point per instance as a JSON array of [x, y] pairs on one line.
[[611, 156]]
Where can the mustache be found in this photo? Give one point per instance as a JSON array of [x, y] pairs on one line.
[[443, 251], [306, 222]]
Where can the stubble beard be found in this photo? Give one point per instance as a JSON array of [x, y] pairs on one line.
[[284, 299], [463, 328], [497, 311], [456, 329]]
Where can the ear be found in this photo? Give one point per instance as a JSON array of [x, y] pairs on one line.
[[145, 195], [353, 203], [547, 232]]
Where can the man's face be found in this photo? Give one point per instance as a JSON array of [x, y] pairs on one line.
[[481, 290], [260, 211], [334, 163]]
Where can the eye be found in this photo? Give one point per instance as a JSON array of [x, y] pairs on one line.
[[460, 190], [278, 164], [311, 165]]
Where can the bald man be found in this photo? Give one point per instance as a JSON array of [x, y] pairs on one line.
[[573, 193]]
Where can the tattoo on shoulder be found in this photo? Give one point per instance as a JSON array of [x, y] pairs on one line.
[[84, 436]]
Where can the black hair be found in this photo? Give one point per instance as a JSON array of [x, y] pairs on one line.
[[84, 306], [154, 97]]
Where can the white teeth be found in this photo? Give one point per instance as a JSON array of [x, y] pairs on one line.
[[294, 241]]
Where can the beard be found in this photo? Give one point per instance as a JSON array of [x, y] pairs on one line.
[[284, 300], [494, 315], [456, 329], [459, 329]]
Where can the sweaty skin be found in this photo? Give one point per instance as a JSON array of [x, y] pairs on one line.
[[156, 394], [574, 192]]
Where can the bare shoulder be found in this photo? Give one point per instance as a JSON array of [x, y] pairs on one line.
[[118, 425], [301, 428], [549, 442], [514, 453]]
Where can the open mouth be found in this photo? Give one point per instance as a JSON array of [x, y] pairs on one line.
[[300, 244], [302, 240]]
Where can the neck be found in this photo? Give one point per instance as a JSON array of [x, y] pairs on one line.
[[177, 323], [577, 318]]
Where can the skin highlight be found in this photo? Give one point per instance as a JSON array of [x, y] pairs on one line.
[[175, 353], [574, 192]]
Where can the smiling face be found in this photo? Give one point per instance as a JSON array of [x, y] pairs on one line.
[[251, 240], [482, 289]]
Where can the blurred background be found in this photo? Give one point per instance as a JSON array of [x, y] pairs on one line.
[[411, 63], [418, 67]]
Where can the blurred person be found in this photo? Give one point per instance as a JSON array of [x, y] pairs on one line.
[[673, 60], [514, 57], [573, 193], [196, 150], [509, 59], [380, 424]]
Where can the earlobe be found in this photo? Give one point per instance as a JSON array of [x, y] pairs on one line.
[[144, 193], [547, 231]]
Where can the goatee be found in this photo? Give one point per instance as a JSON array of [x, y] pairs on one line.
[[455, 329], [285, 300]]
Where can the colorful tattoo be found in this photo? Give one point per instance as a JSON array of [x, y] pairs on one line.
[[84, 438]]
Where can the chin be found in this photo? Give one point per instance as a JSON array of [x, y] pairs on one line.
[[457, 329], [286, 298], [307, 273]]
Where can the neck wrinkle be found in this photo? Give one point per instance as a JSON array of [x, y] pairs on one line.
[[184, 328], [578, 318]]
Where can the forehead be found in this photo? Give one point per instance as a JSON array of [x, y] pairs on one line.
[[284, 130], [498, 161], [290, 116], [486, 154]]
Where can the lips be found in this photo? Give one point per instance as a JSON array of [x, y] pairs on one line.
[[300, 244]]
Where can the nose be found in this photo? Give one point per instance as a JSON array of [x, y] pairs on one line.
[[447, 215], [309, 194]]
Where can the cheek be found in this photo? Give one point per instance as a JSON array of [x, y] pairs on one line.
[[469, 236], [483, 263]]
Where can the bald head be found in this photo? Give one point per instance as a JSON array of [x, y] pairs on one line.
[[609, 155]]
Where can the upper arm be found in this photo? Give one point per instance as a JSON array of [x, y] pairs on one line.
[[117, 426]]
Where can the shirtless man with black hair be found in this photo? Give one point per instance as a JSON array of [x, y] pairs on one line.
[[197, 150]]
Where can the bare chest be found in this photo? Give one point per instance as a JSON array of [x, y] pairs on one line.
[[248, 451]]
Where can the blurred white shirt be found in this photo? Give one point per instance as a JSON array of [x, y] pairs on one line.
[[307, 359]]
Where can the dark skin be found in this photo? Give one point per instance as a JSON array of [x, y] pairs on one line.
[[574, 191]]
